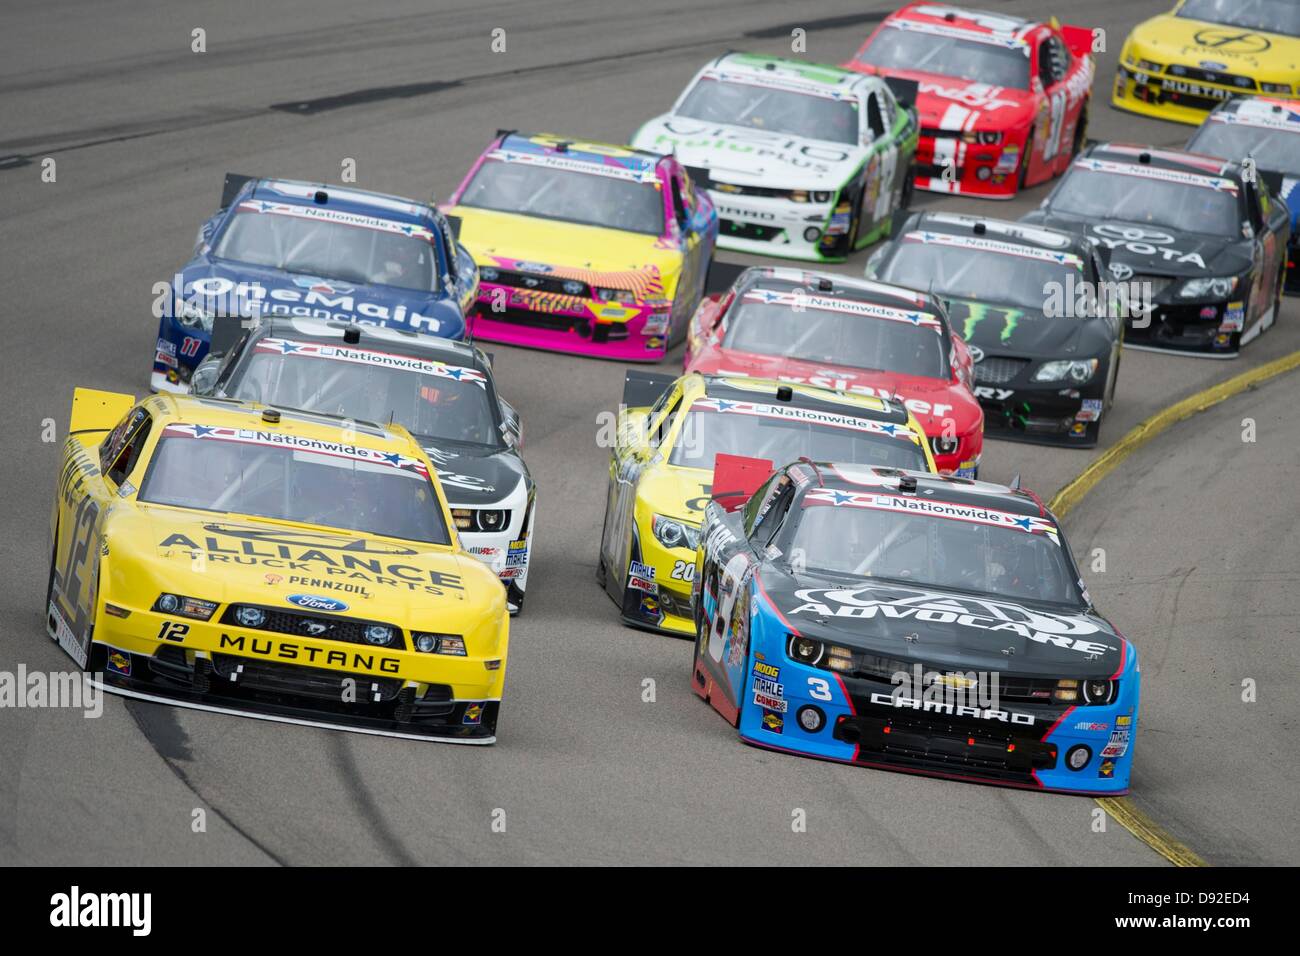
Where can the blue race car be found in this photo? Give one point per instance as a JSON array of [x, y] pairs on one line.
[[910, 621], [308, 250]]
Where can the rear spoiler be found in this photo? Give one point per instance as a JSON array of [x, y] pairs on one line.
[[721, 277], [453, 223], [1078, 39], [641, 389], [905, 91], [96, 411], [226, 331], [230, 189], [1274, 181], [736, 478]]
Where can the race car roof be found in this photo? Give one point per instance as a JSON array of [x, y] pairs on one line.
[[1271, 112], [1162, 160], [580, 151], [815, 77], [995, 232], [344, 199], [167, 408], [962, 491], [380, 338], [1006, 29], [803, 396], [839, 288]]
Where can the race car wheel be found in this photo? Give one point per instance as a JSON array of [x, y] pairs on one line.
[[1025, 161], [855, 224], [515, 598], [1080, 131]]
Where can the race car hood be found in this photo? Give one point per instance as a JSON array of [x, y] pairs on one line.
[[957, 105], [1266, 57], [752, 157], [592, 254], [476, 476], [225, 559], [945, 629], [675, 492], [1152, 250], [1003, 329], [280, 293], [931, 400]]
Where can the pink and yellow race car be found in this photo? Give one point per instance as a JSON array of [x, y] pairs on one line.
[[584, 247]]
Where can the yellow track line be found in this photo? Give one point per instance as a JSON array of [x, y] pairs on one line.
[[1121, 809]]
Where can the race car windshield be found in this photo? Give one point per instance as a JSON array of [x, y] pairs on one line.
[[432, 406], [834, 338], [1271, 16], [330, 250], [772, 110], [707, 433], [957, 273], [934, 552], [1098, 195], [311, 487], [949, 56], [566, 195], [1275, 150]]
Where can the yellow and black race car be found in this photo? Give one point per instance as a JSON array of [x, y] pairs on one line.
[[290, 566], [661, 470], [1182, 64]]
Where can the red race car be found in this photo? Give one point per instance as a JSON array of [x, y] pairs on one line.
[[1003, 102], [851, 335]]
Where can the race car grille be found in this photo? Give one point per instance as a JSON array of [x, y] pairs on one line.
[[1212, 76], [537, 283], [933, 743], [329, 628], [1011, 688], [749, 230], [995, 370], [304, 681]]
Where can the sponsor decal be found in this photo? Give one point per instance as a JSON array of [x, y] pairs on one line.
[[985, 244], [1005, 40], [799, 299], [1142, 171], [1107, 769], [320, 446], [119, 663], [473, 715], [951, 710], [1089, 410], [340, 353], [517, 556], [1234, 317], [980, 614], [769, 671], [332, 214], [772, 721], [1118, 745], [977, 312], [1125, 721], [636, 171], [813, 416], [306, 654], [314, 602], [977, 514], [1092, 726]]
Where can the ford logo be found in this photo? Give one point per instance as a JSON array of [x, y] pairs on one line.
[[314, 602]]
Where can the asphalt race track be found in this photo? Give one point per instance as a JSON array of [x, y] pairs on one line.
[[1199, 527]]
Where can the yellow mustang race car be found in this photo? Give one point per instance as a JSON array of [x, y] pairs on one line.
[[1182, 64], [283, 565], [662, 465]]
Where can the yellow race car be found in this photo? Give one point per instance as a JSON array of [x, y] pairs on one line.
[[662, 464], [584, 247], [1182, 64], [284, 565]]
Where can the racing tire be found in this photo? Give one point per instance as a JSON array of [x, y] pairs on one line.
[[1080, 130], [516, 597], [1023, 180], [855, 226]]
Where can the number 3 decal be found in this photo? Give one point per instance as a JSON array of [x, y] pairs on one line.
[[819, 688]]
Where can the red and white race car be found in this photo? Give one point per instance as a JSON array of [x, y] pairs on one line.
[[1003, 102], [850, 335]]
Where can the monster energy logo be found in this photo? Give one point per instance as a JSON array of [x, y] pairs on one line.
[[977, 312]]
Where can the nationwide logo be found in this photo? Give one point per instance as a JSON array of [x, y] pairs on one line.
[[642, 173], [938, 509], [326, 214], [994, 245], [339, 353], [798, 299], [793, 413], [1138, 171], [320, 446]]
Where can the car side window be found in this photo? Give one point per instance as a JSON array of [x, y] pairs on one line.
[[665, 424], [1060, 58], [112, 444], [127, 458], [875, 120], [679, 207], [769, 517], [755, 502]]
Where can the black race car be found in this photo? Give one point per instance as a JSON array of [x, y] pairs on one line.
[[441, 391], [1201, 244], [1036, 309], [1267, 132], [900, 619]]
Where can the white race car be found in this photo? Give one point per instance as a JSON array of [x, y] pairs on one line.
[[802, 161]]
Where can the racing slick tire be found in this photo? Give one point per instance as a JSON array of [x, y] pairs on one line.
[[515, 598]]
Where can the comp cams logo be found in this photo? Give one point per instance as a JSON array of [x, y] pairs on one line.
[[77, 909]]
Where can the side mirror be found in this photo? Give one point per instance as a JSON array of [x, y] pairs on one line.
[[511, 426]]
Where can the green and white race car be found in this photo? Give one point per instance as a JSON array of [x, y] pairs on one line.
[[802, 161]]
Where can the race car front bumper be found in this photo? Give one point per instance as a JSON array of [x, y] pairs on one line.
[[772, 226], [294, 678], [1018, 409], [1179, 99], [945, 163], [507, 552], [818, 713], [1212, 330], [656, 593], [629, 332]]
